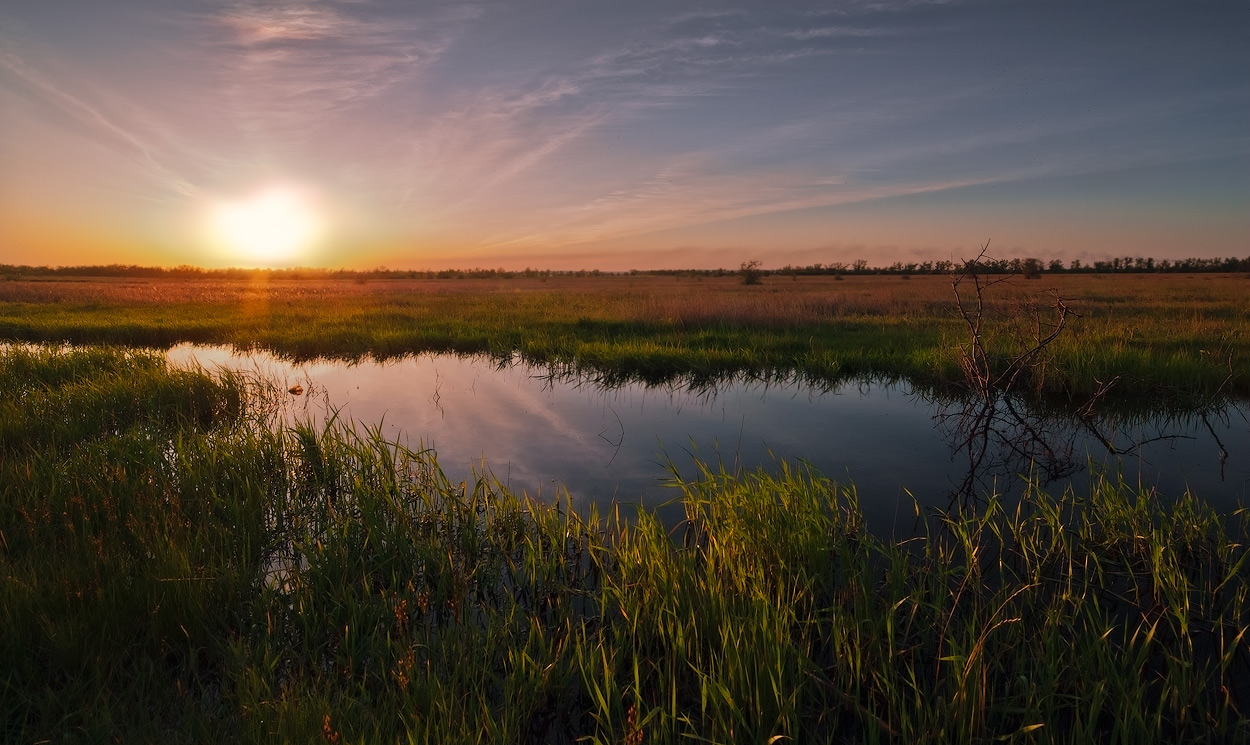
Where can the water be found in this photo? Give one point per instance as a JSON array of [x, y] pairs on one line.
[[539, 433]]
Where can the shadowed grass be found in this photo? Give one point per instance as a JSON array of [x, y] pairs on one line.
[[181, 569]]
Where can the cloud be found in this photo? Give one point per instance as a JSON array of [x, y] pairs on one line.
[[695, 189], [492, 136], [257, 25], [90, 119], [566, 134], [833, 32], [488, 138], [475, 166], [866, 7], [289, 69], [885, 138], [764, 170]]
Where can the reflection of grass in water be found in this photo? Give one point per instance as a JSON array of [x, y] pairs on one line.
[[182, 571], [1161, 334]]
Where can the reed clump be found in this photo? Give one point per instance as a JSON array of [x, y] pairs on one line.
[[192, 571]]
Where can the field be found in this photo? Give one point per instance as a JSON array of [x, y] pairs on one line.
[[178, 566], [1161, 336], [174, 567]]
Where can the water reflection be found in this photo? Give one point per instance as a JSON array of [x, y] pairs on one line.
[[542, 429], [1000, 435]]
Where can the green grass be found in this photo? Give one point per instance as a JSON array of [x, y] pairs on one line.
[[176, 567], [1157, 336]]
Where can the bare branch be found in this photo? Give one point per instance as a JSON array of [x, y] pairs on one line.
[[977, 362]]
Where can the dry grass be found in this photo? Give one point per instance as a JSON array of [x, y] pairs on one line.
[[686, 298], [1154, 332]]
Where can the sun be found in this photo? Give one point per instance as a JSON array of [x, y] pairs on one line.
[[273, 225]]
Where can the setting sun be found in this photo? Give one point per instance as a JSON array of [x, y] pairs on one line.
[[269, 226]]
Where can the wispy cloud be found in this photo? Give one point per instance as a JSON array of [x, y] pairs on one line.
[[492, 135], [495, 137], [864, 7], [490, 138], [474, 165], [289, 69], [515, 126], [660, 204], [715, 184], [746, 175], [836, 32], [260, 24], [90, 118]]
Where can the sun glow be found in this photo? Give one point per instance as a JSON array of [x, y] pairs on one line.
[[270, 226]]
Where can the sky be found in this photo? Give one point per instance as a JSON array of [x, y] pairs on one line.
[[603, 134]]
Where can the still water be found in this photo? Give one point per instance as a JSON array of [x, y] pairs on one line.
[[540, 433]]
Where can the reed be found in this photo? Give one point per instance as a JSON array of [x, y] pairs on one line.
[[176, 566]]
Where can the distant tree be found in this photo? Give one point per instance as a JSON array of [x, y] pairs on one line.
[[750, 272], [1031, 268]]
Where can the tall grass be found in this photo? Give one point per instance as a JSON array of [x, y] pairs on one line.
[[189, 571], [121, 581]]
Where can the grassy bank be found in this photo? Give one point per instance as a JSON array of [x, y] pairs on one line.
[[1155, 335], [175, 568]]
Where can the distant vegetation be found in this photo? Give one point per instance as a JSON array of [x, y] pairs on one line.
[[1022, 266], [751, 272]]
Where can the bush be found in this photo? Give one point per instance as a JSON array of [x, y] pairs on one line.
[[751, 272]]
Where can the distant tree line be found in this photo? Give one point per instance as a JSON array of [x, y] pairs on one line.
[[1029, 267]]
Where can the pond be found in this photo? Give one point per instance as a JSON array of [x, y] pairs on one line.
[[540, 432]]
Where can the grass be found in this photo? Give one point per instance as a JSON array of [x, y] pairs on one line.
[[176, 567], [1157, 336]]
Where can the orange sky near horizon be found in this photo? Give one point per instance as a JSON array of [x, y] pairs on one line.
[[574, 136]]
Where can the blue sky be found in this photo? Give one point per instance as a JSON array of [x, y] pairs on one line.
[[570, 133]]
